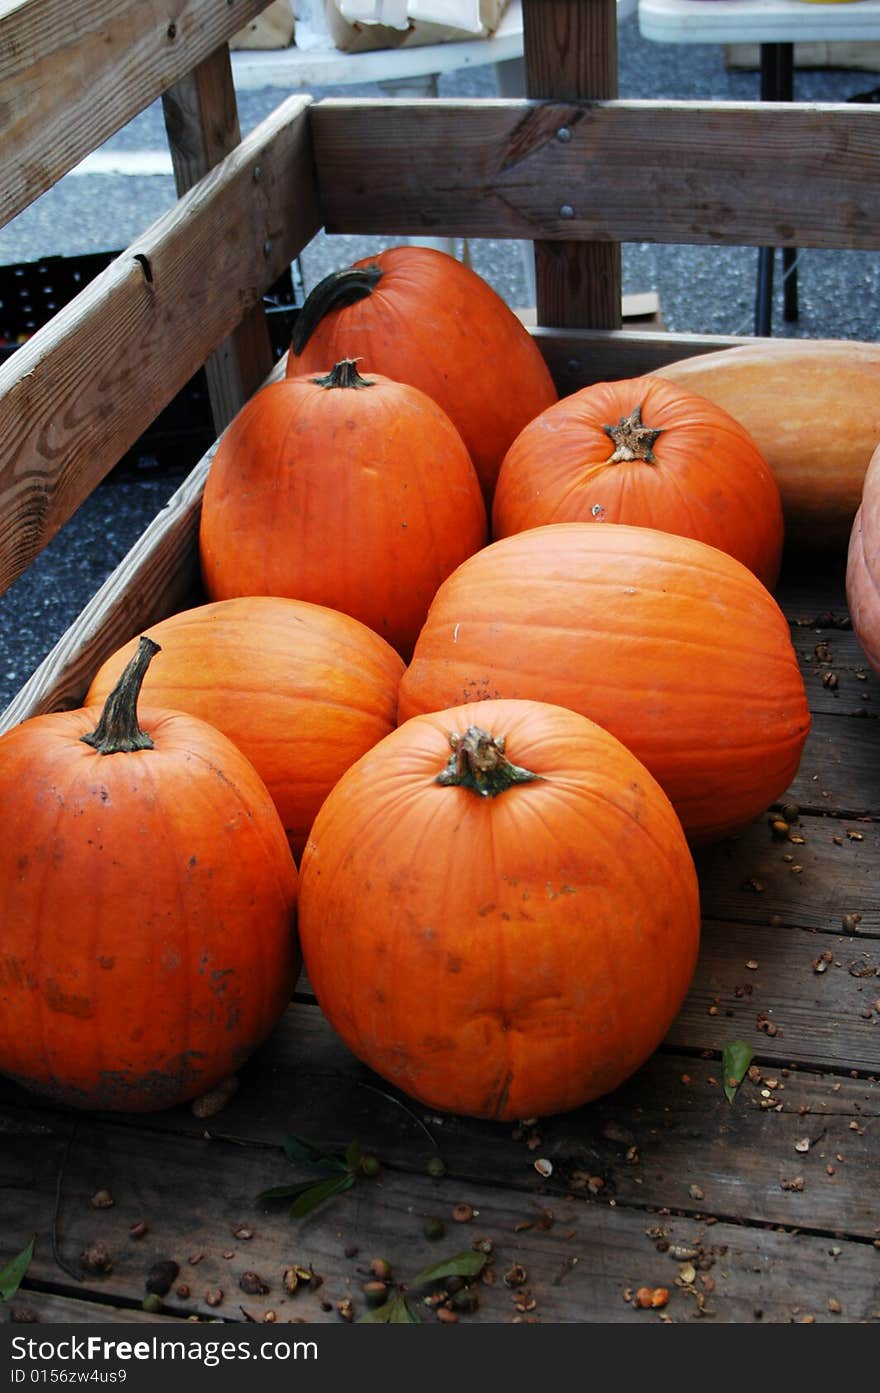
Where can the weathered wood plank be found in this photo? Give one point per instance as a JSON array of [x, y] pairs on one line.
[[577, 357], [213, 1196], [83, 388], [201, 120], [571, 55], [752, 878], [80, 72], [28, 1306], [840, 768], [815, 1018], [720, 173], [673, 1112]]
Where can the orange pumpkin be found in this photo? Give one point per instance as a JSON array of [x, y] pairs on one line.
[[149, 900], [670, 644], [420, 316], [646, 452], [507, 955], [351, 492], [302, 690], [863, 566]]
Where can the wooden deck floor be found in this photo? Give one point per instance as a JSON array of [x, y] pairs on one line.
[[766, 1209]]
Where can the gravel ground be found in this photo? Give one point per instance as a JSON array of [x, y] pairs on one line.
[[701, 290]]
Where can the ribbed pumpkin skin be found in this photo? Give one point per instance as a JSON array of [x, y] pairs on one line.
[[670, 644], [502, 957], [433, 322], [148, 912], [863, 567], [705, 477], [302, 690], [358, 498]]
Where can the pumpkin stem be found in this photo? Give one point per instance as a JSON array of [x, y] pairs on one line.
[[632, 439], [338, 289], [344, 374], [478, 762], [118, 731]]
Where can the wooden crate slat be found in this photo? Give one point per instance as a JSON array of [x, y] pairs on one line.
[[723, 173], [577, 357], [77, 394], [201, 121], [571, 55], [214, 1190], [81, 71]]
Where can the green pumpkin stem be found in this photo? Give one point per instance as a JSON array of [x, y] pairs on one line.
[[632, 439], [338, 289], [343, 374], [478, 762], [117, 731]]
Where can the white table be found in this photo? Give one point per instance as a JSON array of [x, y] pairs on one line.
[[756, 21], [312, 61], [776, 25]]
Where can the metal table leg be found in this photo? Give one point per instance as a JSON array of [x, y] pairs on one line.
[[777, 85]]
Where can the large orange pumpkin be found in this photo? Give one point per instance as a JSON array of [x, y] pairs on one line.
[[352, 492], [672, 645], [498, 910], [420, 316], [646, 452], [148, 905], [302, 690], [863, 566]]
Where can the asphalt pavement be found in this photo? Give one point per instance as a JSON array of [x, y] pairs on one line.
[[700, 289]]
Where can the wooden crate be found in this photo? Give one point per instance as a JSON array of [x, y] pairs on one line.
[[775, 1195]]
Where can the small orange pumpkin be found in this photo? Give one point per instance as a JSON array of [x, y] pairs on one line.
[[498, 910], [351, 492], [670, 644], [149, 900], [650, 453], [302, 690], [420, 316]]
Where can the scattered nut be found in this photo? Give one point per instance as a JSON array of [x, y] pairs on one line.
[[101, 1199], [252, 1284], [97, 1258]]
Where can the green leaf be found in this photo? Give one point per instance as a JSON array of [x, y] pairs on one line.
[[380, 1315], [311, 1153], [466, 1264], [314, 1195], [735, 1060], [401, 1313], [12, 1275], [394, 1311]]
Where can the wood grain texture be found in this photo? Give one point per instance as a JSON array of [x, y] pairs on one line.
[[571, 55], [80, 72], [214, 1194], [673, 1113], [201, 121], [721, 173], [83, 388]]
